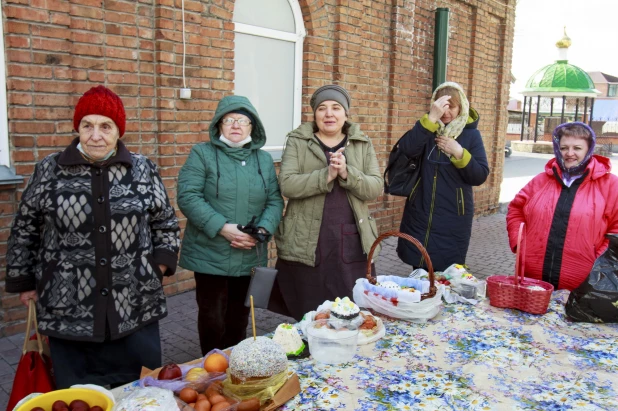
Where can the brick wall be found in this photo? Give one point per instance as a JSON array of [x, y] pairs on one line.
[[380, 50]]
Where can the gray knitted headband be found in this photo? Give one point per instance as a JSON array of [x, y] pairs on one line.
[[330, 92]]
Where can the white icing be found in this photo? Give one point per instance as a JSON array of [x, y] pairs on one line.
[[261, 357], [148, 399], [344, 308], [286, 335]]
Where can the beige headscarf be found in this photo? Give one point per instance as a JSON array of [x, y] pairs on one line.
[[455, 127]]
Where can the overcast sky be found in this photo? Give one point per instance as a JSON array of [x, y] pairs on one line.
[[592, 26]]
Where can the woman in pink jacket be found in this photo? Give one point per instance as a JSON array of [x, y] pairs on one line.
[[568, 209]]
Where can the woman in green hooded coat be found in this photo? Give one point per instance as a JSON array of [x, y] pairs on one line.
[[225, 183]]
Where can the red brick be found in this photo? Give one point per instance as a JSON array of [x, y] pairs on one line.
[[19, 141], [21, 56], [60, 19], [53, 141], [20, 99], [53, 113], [53, 100], [26, 14], [52, 5], [21, 113], [53, 32], [88, 12], [17, 42]]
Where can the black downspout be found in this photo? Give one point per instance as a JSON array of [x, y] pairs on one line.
[[440, 46], [523, 120], [536, 120]]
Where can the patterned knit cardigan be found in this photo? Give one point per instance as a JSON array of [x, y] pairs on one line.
[[89, 238]]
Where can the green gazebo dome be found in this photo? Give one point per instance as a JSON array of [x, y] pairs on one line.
[[560, 79]]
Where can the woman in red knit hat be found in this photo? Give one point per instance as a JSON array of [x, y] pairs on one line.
[[91, 241]]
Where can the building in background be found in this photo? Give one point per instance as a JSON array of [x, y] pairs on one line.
[[554, 94], [277, 52]]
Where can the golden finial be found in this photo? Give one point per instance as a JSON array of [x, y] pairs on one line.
[[564, 42]]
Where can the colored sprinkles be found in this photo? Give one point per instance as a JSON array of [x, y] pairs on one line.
[[261, 357]]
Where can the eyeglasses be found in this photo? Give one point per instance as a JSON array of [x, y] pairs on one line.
[[438, 156], [241, 122]]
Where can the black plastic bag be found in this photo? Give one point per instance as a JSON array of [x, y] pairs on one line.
[[596, 299]]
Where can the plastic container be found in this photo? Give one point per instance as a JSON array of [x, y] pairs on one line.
[[46, 401], [332, 342], [467, 291]]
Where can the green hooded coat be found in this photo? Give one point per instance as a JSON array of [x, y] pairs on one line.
[[218, 185], [303, 178]]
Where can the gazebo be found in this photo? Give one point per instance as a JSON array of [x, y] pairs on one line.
[[556, 93]]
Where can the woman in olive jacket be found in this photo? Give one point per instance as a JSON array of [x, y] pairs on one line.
[[329, 173], [226, 182]]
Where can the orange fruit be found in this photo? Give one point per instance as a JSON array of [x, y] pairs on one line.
[[215, 363]]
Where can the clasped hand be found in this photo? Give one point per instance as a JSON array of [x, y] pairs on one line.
[[449, 146], [337, 165], [237, 238]]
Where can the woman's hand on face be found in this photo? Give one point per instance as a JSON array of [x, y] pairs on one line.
[[237, 238], [437, 109], [28, 295], [338, 162], [450, 146]]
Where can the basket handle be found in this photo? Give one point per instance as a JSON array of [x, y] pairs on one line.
[[520, 257], [32, 321], [411, 239]]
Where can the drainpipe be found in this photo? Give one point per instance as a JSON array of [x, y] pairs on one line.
[[440, 46]]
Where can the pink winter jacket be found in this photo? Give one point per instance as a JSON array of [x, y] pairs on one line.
[[593, 207]]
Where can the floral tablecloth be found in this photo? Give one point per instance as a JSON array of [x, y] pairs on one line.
[[470, 358], [473, 358]]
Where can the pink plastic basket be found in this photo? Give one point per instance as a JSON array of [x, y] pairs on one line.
[[513, 291]]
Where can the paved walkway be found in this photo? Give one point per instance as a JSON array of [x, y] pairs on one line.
[[488, 254]]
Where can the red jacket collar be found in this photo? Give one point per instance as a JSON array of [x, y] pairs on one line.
[[597, 167]]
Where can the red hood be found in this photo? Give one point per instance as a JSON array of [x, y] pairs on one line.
[[597, 167]]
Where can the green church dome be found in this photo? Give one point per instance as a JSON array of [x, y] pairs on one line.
[[560, 78]]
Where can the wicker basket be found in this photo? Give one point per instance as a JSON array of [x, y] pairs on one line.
[[373, 280], [512, 291]]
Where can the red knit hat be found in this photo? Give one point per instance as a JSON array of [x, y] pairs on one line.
[[100, 100]]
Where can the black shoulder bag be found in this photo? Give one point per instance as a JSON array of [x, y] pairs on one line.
[[402, 173]]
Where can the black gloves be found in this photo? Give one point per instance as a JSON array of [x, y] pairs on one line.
[[254, 231]]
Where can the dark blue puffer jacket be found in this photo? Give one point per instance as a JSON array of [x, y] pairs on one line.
[[439, 211]]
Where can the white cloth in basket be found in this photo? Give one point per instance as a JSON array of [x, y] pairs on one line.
[[419, 311]]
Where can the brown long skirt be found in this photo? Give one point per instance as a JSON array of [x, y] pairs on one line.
[[339, 262]]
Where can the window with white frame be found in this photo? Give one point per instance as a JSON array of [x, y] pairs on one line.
[[268, 54]]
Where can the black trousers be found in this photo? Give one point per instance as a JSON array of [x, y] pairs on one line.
[[111, 363], [222, 317]]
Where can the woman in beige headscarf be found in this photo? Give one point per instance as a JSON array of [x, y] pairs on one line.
[[439, 210]]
